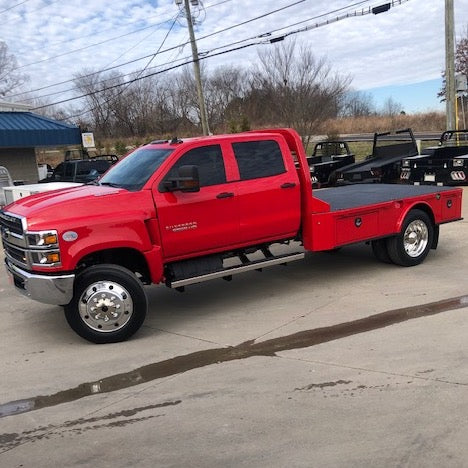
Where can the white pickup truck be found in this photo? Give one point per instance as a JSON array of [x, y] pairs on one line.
[[5, 181], [15, 192]]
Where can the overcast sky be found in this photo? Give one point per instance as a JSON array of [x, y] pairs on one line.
[[386, 54]]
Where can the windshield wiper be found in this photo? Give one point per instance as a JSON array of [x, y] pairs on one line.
[[110, 184]]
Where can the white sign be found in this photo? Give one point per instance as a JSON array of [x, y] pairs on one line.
[[88, 140]]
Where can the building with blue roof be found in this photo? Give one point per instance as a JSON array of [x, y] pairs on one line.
[[22, 131]]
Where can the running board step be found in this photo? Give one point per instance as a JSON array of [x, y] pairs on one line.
[[226, 272]]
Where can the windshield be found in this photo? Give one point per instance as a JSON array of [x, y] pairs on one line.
[[133, 172]]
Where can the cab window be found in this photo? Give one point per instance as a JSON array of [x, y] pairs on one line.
[[208, 159], [258, 159]]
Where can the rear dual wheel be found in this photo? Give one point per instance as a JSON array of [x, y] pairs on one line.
[[411, 246]]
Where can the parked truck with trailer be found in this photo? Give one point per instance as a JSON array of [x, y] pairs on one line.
[[327, 157], [181, 212], [384, 163]]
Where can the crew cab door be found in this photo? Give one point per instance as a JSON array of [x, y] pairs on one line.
[[268, 191], [202, 221]]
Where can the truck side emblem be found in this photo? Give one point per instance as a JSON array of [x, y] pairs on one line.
[[358, 222], [182, 227], [69, 236]]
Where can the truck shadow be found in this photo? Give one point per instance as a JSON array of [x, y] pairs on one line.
[[257, 290]]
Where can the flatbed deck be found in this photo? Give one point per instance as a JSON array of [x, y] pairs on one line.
[[360, 195]]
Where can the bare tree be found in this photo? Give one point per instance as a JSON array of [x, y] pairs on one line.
[[391, 108], [10, 78], [99, 90], [301, 90], [183, 98], [357, 104], [222, 88]]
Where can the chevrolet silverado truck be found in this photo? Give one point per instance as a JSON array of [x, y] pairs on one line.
[[328, 156], [181, 212], [384, 163], [444, 164]]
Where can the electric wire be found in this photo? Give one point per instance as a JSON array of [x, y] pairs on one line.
[[13, 6], [11, 20], [147, 27], [166, 50], [127, 85], [210, 54], [224, 46]]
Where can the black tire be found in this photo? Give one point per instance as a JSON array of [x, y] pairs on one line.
[[109, 304], [380, 251], [411, 246]]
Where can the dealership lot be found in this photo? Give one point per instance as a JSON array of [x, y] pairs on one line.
[[337, 360]]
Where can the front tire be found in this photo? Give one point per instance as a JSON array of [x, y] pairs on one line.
[[411, 246], [109, 304]]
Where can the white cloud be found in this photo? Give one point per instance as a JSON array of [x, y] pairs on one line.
[[404, 45]]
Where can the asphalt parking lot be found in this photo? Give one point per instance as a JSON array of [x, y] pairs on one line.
[[337, 360]]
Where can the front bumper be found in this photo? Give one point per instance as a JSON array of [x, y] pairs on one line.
[[56, 290]]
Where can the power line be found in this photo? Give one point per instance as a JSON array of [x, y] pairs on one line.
[[363, 12], [171, 48], [141, 78], [147, 27], [136, 79], [267, 34], [86, 47], [102, 42], [11, 20], [14, 6], [271, 40]]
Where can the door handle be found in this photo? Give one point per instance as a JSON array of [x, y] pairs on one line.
[[225, 195], [288, 185]]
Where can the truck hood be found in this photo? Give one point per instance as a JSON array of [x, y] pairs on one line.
[[45, 209]]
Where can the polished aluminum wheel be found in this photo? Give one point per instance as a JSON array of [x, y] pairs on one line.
[[105, 306], [416, 238]]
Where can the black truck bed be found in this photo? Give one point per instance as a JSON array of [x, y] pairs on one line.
[[355, 196], [369, 164]]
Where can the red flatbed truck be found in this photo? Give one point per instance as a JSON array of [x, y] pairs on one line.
[[184, 211]]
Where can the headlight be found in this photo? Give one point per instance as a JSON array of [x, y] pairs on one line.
[[46, 258], [44, 239], [406, 163], [458, 162]]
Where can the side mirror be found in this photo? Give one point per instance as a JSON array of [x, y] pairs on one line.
[[187, 180]]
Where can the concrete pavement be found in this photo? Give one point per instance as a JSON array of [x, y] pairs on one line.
[[337, 360]]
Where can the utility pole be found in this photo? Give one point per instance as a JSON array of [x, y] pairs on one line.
[[196, 66], [450, 95]]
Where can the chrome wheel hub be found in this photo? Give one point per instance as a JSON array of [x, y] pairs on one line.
[[105, 306], [416, 238]]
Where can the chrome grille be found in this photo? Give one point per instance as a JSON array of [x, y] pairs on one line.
[[13, 238], [11, 223], [16, 254]]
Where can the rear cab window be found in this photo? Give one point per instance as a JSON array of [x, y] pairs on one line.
[[257, 159]]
